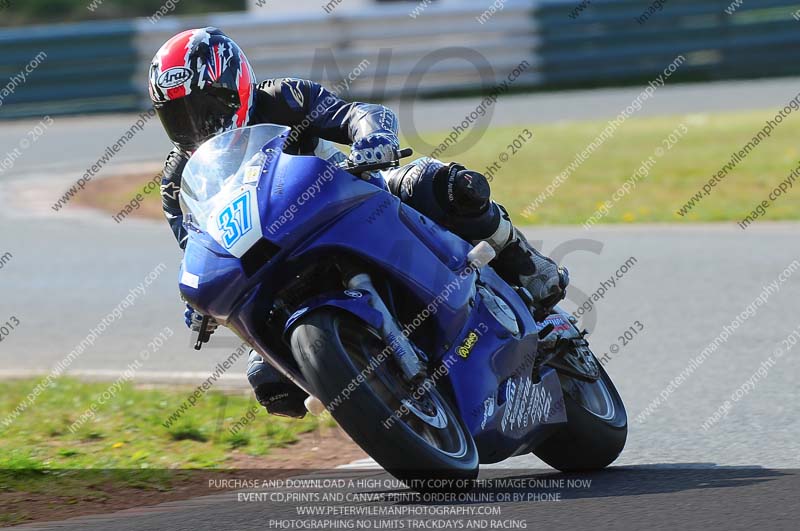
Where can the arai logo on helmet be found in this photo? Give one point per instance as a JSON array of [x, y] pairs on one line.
[[174, 77]]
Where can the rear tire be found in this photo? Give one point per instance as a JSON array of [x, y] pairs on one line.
[[332, 349], [595, 433]]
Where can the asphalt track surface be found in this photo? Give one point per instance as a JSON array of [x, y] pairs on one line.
[[70, 269], [620, 498]]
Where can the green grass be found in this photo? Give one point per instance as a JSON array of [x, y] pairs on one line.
[[125, 450], [127, 431], [676, 176]]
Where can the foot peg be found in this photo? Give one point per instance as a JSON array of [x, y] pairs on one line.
[[545, 330]]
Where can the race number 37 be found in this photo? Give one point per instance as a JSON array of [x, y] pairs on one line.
[[234, 220]]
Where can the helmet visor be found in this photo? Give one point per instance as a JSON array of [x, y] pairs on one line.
[[193, 119]]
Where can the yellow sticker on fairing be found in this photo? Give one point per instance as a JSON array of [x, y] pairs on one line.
[[251, 174], [469, 343]]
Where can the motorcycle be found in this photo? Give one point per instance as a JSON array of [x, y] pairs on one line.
[[400, 329]]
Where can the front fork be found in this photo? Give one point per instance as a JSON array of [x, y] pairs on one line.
[[403, 351], [405, 354]]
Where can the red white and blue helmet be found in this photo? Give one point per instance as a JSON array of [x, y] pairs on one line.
[[201, 84]]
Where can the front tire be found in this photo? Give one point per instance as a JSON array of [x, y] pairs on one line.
[[337, 352], [596, 429]]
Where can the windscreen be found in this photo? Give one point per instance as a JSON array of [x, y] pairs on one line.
[[220, 168]]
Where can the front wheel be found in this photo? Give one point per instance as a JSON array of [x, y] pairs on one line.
[[596, 429], [413, 433]]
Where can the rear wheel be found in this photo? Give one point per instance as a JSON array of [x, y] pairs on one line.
[[596, 430], [413, 433]]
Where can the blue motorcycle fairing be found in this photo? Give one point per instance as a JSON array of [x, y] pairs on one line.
[[497, 359], [484, 363], [211, 280], [307, 214], [296, 197], [404, 257]]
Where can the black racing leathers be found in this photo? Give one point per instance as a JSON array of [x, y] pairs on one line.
[[313, 113]]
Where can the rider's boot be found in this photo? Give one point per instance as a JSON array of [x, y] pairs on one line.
[[273, 391], [519, 264]]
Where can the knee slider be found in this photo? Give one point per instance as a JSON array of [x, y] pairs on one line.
[[462, 192]]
